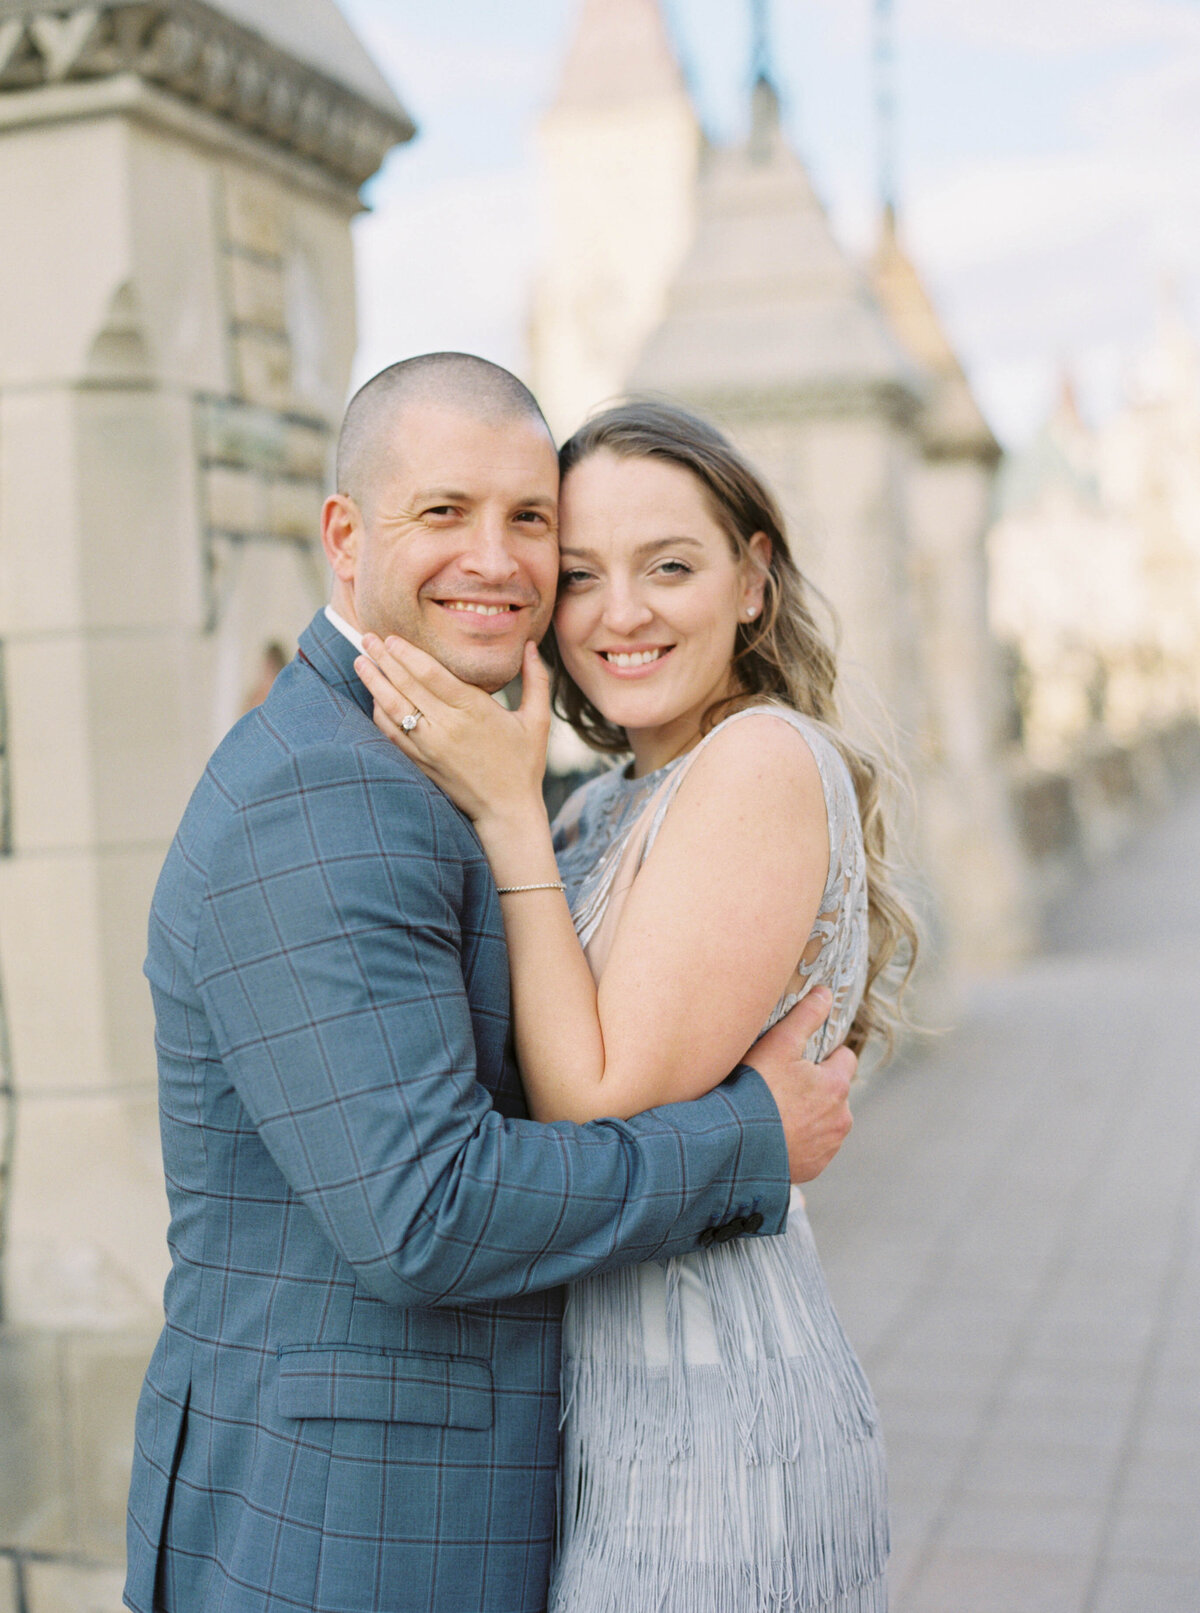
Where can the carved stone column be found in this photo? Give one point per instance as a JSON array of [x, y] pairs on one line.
[[177, 326]]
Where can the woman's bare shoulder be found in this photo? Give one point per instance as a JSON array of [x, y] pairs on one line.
[[768, 746], [755, 782]]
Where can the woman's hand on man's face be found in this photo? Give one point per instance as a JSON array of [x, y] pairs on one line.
[[488, 760]]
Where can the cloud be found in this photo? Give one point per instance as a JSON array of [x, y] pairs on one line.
[[1053, 27], [465, 61], [988, 211]]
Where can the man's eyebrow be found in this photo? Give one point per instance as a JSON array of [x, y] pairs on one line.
[[442, 495], [455, 495], [650, 547]]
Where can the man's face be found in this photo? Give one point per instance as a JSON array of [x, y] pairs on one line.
[[456, 544]]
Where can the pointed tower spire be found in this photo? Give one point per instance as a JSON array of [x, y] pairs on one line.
[[952, 423], [619, 154], [621, 51], [764, 96], [766, 303], [760, 64], [885, 108]]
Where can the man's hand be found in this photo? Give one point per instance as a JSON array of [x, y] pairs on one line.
[[811, 1097]]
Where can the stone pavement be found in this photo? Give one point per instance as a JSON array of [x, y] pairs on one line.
[[1013, 1240]]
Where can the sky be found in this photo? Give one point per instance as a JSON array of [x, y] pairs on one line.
[[1048, 157]]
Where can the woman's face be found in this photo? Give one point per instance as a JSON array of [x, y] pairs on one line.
[[650, 597]]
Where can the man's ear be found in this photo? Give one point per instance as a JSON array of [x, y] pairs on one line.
[[341, 527]]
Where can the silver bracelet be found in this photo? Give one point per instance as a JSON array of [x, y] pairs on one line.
[[508, 890]]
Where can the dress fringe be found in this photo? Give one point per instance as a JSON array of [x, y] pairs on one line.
[[751, 1480]]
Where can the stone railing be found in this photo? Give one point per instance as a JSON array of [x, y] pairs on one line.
[[1079, 816]]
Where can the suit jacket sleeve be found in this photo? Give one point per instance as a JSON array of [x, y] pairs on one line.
[[329, 962]]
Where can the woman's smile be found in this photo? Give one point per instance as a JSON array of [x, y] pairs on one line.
[[640, 661]]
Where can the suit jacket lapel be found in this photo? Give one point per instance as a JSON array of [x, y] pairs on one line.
[[331, 656]]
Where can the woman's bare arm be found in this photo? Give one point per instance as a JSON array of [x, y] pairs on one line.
[[710, 934], [711, 931]]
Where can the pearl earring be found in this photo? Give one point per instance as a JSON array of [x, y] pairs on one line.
[[751, 612]]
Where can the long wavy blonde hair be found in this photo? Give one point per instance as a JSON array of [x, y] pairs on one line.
[[783, 655]]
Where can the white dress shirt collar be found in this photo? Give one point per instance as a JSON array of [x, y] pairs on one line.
[[344, 628]]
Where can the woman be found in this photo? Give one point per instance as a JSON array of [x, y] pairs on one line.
[[720, 1444]]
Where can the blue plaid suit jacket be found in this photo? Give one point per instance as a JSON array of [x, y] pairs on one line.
[[353, 1405]]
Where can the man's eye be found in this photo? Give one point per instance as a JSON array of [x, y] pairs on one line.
[[529, 516], [441, 511]]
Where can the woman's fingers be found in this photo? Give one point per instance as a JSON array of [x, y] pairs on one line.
[[430, 675], [535, 687], [392, 659], [391, 703]]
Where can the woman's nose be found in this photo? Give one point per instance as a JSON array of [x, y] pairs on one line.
[[625, 610]]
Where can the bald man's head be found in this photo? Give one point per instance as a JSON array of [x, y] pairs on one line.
[[458, 381], [444, 528]]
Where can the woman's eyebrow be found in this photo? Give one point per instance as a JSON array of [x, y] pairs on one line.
[[651, 547], [655, 544]]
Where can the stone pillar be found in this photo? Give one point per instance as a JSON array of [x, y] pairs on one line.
[[176, 187]]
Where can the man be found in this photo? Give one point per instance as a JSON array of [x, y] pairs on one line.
[[353, 1406]]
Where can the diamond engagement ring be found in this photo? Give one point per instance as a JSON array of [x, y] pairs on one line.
[[410, 722]]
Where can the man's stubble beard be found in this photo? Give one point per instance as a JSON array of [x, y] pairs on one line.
[[478, 669]]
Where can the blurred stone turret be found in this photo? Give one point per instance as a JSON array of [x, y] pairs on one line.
[[619, 151], [772, 330], [177, 180], [966, 798]]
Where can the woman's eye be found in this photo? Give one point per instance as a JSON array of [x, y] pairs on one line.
[[572, 579], [675, 568]]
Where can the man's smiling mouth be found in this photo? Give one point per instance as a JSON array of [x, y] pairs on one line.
[[476, 608]]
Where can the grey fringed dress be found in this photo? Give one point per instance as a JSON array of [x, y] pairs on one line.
[[721, 1452]]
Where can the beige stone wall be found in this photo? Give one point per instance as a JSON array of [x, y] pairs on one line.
[[840, 479], [175, 350], [962, 745]]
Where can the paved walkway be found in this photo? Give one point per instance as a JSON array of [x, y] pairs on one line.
[[1013, 1240]]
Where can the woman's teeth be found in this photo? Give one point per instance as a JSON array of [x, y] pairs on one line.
[[632, 657], [478, 610]]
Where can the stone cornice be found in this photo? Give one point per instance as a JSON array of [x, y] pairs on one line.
[[775, 404], [197, 54]]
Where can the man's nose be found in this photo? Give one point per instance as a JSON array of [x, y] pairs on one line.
[[490, 554]]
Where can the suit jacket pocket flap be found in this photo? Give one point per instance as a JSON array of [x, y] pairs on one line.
[[407, 1386]]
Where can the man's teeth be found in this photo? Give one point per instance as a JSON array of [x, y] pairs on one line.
[[632, 657], [477, 610]]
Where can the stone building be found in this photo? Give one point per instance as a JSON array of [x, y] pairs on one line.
[[839, 383], [177, 180], [1095, 565], [1095, 559]]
